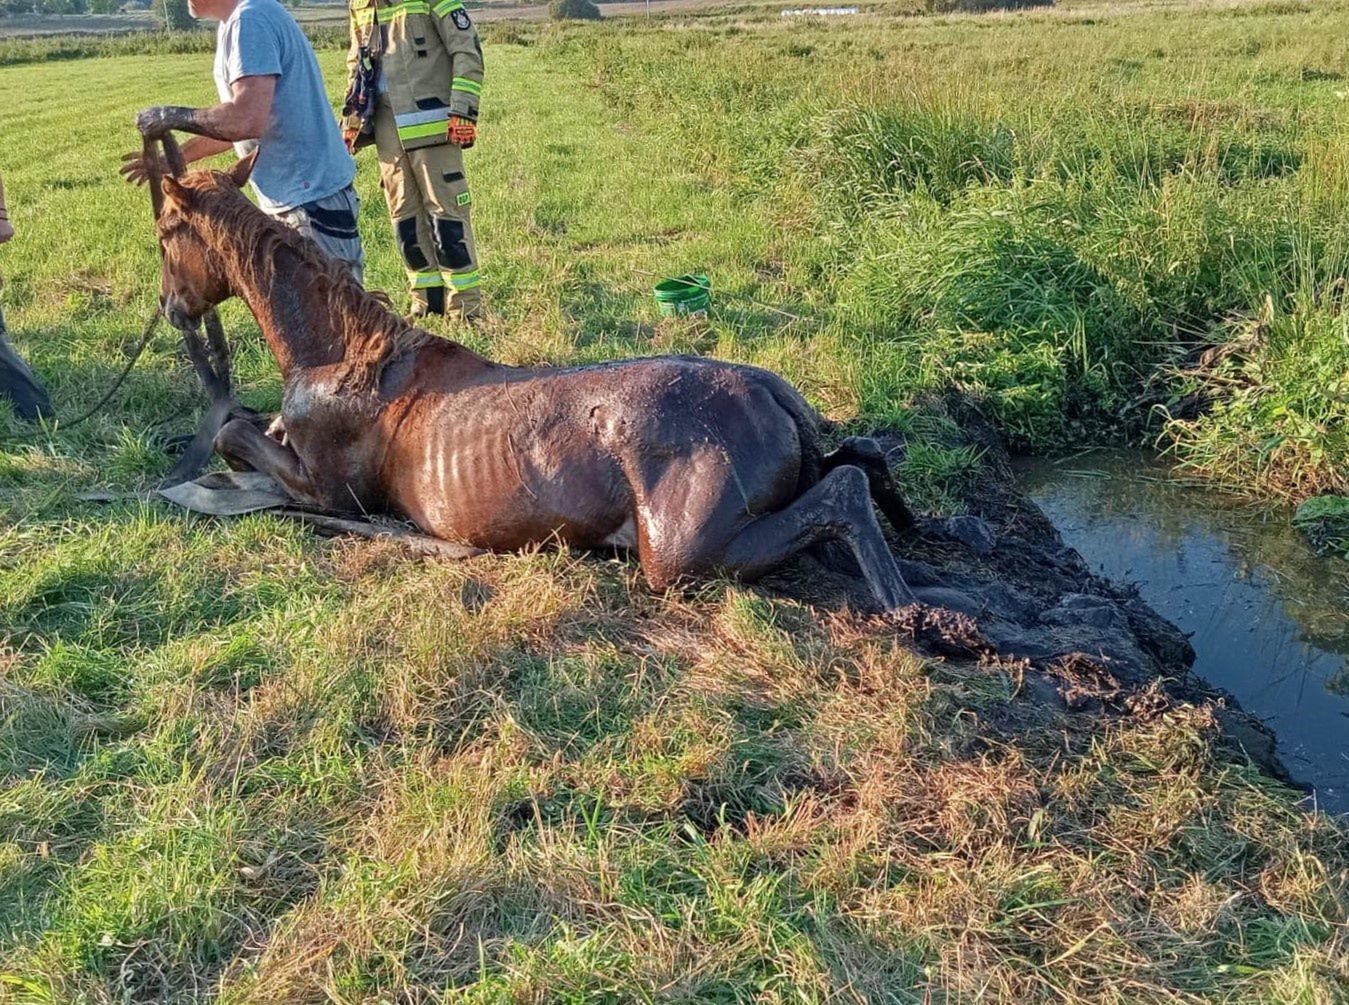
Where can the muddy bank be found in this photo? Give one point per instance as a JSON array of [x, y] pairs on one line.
[[1266, 614], [999, 584]]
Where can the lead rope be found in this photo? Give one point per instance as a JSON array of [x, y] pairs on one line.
[[150, 327]]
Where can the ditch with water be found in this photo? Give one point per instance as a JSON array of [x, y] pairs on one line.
[[1268, 617]]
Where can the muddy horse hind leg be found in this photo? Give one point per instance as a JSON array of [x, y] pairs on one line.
[[838, 507], [865, 453], [247, 448]]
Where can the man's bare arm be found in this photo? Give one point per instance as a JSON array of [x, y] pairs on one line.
[[198, 148], [243, 117]]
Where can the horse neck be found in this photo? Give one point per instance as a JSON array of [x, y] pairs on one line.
[[289, 301], [293, 305]]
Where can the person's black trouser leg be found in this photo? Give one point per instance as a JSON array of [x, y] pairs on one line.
[[19, 385]]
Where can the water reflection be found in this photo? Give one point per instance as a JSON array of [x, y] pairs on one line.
[[1269, 619]]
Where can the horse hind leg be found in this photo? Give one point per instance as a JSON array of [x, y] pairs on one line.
[[865, 453], [838, 507]]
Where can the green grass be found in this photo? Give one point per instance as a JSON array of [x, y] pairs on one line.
[[1063, 237], [241, 764]]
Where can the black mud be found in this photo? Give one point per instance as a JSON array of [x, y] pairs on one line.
[[998, 584]]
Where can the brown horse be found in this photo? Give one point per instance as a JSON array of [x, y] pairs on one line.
[[702, 466]]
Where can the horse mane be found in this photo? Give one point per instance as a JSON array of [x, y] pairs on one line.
[[364, 326]]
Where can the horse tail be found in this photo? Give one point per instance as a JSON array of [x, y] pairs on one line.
[[808, 427]]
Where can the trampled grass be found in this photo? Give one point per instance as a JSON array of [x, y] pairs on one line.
[[241, 764]]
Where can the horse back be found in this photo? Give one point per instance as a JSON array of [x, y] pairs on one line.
[[522, 455]]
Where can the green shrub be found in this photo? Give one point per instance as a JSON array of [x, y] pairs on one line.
[[573, 10], [1278, 423], [877, 154], [994, 294]]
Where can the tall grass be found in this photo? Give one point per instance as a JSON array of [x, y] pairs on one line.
[[1063, 238]]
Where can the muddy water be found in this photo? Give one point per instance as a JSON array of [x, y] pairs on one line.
[[1267, 617]]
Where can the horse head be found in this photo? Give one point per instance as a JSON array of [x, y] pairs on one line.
[[193, 278]]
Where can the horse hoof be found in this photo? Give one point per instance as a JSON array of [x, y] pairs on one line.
[[175, 445]]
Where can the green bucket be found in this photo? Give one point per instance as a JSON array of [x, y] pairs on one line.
[[683, 296]]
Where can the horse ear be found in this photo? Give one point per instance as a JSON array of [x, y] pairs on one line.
[[174, 190], [243, 168]]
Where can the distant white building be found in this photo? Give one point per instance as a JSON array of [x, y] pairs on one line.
[[821, 11]]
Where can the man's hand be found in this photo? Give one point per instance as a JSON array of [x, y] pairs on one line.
[[135, 169], [462, 132], [349, 136], [155, 122], [6, 230]]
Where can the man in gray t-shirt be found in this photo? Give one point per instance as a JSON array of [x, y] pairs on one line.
[[271, 98]]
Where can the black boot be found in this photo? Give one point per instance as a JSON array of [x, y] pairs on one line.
[[434, 303], [19, 385]]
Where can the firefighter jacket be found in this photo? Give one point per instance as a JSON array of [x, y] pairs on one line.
[[430, 58]]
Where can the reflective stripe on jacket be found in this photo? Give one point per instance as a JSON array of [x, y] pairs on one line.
[[431, 61]]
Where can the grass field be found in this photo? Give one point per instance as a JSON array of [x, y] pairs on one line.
[[241, 764], [1142, 239]]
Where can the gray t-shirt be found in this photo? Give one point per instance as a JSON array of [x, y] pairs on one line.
[[302, 157]]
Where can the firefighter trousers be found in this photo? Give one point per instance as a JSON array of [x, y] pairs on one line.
[[429, 206]]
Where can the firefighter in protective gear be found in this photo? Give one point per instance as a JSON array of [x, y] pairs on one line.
[[415, 77]]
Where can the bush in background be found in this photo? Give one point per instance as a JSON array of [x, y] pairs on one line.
[[173, 15], [18, 51], [573, 10]]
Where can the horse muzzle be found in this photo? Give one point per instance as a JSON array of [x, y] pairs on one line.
[[178, 314]]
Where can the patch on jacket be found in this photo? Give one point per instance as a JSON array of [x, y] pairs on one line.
[[460, 18]]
